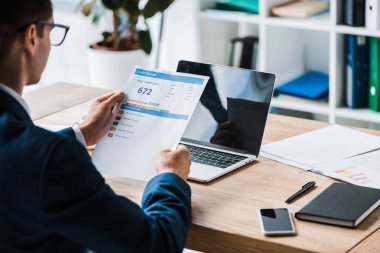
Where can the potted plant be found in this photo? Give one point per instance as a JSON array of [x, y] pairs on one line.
[[129, 43]]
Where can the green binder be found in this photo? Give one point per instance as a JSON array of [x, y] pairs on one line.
[[374, 75], [251, 6]]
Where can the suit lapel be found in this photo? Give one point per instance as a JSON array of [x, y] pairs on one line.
[[9, 104]]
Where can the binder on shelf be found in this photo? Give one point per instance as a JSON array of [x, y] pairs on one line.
[[372, 14], [374, 75], [250, 6], [341, 205], [354, 12], [243, 52], [357, 71], [300, 8], [311, 85]]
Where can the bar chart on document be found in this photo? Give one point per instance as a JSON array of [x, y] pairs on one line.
[[153, 117], [360, 170]]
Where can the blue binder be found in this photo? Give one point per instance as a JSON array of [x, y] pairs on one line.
[[357, 71], [312, 85]]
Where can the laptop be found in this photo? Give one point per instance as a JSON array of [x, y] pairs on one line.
[[227, 127]]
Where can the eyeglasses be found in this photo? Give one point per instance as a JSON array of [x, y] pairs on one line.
[[57, 34]]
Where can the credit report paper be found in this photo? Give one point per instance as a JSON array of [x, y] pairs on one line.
[[153, 117]]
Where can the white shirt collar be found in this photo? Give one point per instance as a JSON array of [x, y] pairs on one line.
[[16, 96]]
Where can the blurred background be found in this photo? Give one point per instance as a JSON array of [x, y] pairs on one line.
[[309, 51]]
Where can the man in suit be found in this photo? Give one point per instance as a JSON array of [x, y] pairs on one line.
[[52, 198]]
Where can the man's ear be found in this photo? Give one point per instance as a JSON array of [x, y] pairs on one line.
[[30, 39]]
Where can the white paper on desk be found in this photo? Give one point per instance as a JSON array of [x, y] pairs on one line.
[[308, 150], [363, 170], [153, 117]]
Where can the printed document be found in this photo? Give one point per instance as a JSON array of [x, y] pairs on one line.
[[153, 117], [363, 170], [307, 151]]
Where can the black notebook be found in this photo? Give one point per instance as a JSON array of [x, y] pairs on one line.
[[342, 205]]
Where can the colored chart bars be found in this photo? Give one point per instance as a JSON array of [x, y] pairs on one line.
[[359, 177], [115, 123]]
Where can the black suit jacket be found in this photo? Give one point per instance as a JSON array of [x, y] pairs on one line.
[[52, 198]]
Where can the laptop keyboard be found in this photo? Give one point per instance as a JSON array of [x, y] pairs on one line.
[[212, 157]]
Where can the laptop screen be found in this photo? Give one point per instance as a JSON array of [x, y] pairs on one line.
[[233, 109]]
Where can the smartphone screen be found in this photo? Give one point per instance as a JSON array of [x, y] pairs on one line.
[[276, 221]]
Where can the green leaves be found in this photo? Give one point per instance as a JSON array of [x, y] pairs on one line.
[[150, 9], [112, 4], [154, 6], [87, 8], [145, 41], [132, 7], [162, 5], [126, 36]]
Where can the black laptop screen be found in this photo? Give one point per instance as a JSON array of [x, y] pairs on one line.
[[233, 109]]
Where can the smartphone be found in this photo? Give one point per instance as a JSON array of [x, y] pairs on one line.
[[276, 221]]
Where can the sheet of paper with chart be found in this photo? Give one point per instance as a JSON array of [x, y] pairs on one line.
[[153, 117], [308, 150], [361, 170]]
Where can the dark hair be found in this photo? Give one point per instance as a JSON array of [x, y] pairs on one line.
[[15, 14]]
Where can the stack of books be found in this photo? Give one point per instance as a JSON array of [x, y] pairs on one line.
[[300, 8], [249, 6]]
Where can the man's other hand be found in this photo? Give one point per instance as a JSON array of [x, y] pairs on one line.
[[99, 115], [177, 162]]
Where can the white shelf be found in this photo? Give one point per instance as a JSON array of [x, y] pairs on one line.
[[358, 114], [301, 105], [230, 16], [319, 23], [288, 47], [361, 31]]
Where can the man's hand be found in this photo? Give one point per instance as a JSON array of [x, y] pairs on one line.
[[99, 115], [177, 162]]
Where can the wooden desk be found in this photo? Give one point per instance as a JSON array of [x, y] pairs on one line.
[[225, 215]]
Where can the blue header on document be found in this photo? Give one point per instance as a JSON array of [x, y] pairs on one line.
[[155, 112], [169, 77]]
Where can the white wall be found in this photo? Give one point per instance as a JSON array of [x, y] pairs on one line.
[[180, 41], [68, 63]]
